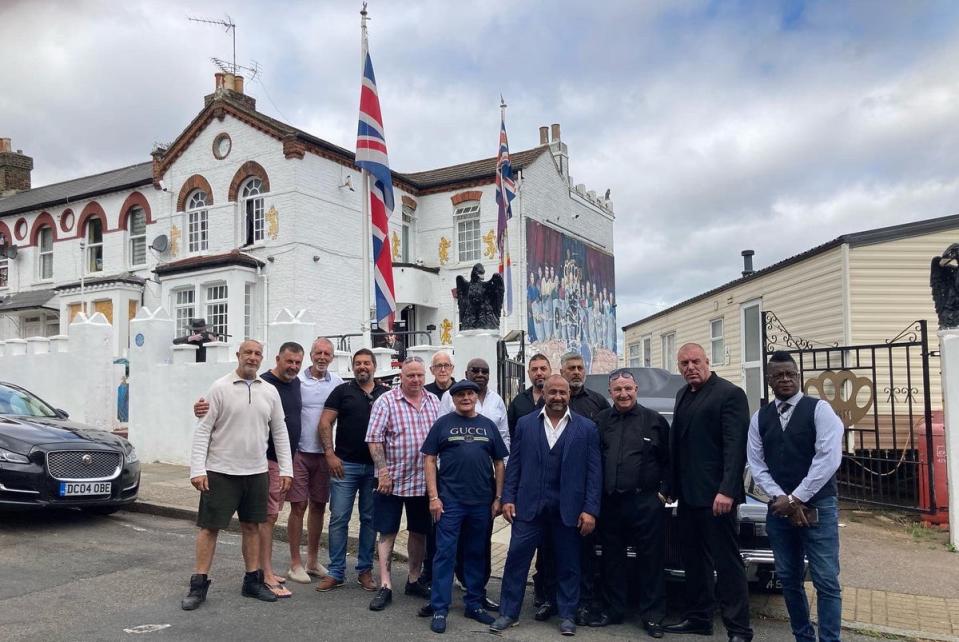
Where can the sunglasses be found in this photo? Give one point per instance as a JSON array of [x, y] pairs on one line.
[[621, 373], [479, 371]]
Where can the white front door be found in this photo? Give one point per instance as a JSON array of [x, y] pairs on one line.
[[752, 351]]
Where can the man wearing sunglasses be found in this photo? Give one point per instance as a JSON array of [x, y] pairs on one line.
[[634, 441]]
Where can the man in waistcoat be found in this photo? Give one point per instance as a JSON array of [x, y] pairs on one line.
[[794, 450]]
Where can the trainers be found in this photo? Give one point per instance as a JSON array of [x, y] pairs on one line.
[[480, 615], [501, 624], [382, 599], [328, 583], [567, 627], [417, 589], [254, 587], [365, 580], [425, 611], [438, 623], [199, 585]]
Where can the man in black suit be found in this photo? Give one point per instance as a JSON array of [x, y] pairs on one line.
[[708, 451]]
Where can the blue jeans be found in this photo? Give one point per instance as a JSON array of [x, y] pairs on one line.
[[820, 544], [469, 522], [356, 477]]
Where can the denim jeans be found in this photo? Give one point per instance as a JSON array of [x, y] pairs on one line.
[[820, 544], [356, 478], [469, 523]]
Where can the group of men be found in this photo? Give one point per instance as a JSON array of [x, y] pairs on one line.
[[566, 469]]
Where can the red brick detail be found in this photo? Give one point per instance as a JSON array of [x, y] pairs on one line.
[[194, 182], [63, 217], [44, 220], [462, 197], [293, 148], [6, 233], [136, 199], [91, 210], [408, 202], [247, 170], [21, 224]]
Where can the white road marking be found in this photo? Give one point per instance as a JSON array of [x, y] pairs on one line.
[[147, 628]]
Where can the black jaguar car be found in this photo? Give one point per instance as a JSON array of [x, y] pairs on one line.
[[48, 461]]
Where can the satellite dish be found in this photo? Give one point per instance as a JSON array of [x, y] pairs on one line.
[[160, 244]]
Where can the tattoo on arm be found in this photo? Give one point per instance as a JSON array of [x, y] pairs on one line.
[[379, 457], [326, 429]]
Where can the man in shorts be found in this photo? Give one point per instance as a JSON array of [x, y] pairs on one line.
[[228, 466], [399, 423]]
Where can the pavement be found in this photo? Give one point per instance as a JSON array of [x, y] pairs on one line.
[[898, 579]]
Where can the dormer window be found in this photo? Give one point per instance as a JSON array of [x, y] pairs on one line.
[[198, 230]]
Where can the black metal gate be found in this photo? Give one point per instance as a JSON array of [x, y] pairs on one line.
[[882, 394], [511, 371]]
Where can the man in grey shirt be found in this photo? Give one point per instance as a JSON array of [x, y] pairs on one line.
[[228, 466]]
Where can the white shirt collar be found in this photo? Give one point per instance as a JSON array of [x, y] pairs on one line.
[[549, 423]]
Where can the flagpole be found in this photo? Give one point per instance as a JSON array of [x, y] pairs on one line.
[[366, 313]]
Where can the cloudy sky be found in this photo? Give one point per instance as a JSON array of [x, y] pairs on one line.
[[717, 125]]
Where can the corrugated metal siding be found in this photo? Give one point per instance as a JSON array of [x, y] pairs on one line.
[[806, 296]]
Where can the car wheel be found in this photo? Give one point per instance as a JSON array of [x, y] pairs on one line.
[[100, 510]]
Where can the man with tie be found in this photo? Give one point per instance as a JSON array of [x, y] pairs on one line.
[[795, 448], [553, 483], [708, 455]]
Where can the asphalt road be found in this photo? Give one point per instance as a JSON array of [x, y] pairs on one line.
[[70, 576]]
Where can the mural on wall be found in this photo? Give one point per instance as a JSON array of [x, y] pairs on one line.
[[570, 302]]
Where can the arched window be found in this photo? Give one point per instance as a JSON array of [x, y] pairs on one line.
[[45, 253], [198, 225], [137, 236], [251, 198], [94, 243]]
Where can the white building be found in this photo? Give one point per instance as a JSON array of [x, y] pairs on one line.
[[243, 216]]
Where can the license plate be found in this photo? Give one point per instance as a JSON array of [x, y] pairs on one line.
[[773, 583], [72, 489]]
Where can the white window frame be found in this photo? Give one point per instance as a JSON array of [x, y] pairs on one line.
[[754, 366], [667, 343], [45, 256], [136, 240], [4, 273], [648, 351], [634, 355], [198, 222], [406, 233], [179, 306], [251, 205], [94, 253], [717, 342], [216, 303], [469, 239]]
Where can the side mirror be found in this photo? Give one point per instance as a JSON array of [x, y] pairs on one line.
[[62, 414]]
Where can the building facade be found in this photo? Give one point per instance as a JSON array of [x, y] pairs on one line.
[[243, 216]]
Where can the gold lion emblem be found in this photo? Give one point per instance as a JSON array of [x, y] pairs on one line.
[[395, 244], [446, 332], [489, 244], [444, 250]]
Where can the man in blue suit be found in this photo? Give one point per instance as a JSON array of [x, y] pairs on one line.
[[553, 488]]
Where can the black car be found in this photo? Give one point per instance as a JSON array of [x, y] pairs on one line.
[[657, 391], [48, 461]]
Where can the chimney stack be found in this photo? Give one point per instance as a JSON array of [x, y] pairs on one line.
[[555, 128], [748, 262], [544, 135], [15, 169], [229, 86]]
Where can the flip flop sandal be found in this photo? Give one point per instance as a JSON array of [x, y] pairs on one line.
[[279, 590]]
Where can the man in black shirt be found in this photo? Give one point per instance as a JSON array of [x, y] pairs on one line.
[[284, 378], [588, 403], [351, 470], [635, 446], [441, 367]]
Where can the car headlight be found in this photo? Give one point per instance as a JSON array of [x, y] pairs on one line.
[[12, 457], [132, 456]]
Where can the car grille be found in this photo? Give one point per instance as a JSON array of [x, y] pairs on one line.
[[83, 464]]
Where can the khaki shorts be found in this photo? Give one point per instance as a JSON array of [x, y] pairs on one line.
[[245, 495]]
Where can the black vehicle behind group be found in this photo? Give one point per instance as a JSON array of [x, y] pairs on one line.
[[46, 460]]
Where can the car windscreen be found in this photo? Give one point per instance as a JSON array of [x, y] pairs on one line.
[[21, 403]]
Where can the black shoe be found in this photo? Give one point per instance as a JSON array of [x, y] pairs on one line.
[[501, 624], [480, 615], [490, 605], [567, 627], [604, 619], [545, 612], [199, 585], [653, 629], [254, 587], [424, 581], [425, 611], [739, 638], [694, 627], [382, 599], [417, 589], [583, 616], [438, 624]]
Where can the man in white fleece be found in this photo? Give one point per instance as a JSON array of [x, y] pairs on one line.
[[229, 468]]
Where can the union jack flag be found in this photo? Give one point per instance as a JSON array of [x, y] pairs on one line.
[[371, 156], [505, 193]]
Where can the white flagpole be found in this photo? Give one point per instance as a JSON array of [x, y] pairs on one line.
[[366, 311]]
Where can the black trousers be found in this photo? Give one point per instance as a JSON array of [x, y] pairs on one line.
[[708, 545], [489, 556], [636, 519], [589, 565]]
